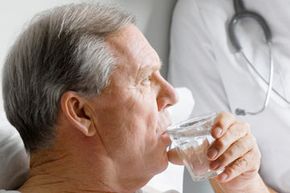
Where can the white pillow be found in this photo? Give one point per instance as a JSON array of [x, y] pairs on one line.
[[14, 160], [183, 108]]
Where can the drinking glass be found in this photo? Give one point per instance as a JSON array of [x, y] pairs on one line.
[[192, 138]]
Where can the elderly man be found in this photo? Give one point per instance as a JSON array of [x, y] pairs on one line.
[[83, 88]]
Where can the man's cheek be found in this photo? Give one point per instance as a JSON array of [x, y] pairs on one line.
[[154, 142]]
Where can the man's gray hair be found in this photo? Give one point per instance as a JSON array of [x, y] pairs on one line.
[[63, 49]]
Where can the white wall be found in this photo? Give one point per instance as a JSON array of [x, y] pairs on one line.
[[14, 15]]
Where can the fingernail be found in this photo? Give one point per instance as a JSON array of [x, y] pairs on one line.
[[223, 176], [214, 166], [212, 153], [218, 131]]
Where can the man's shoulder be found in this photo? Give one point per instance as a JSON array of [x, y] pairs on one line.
[[9, 191], [148, 189]]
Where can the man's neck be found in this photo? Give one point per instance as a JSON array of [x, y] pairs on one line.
[[55, 171], [78, 164]]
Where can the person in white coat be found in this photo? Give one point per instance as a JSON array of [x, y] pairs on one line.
[[203, 60]]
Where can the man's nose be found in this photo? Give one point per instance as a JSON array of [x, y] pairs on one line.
[[166, 96]]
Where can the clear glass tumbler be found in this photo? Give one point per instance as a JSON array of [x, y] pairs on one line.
[[192, 139]]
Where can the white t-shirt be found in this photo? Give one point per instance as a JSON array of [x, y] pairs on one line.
[[201, 59]]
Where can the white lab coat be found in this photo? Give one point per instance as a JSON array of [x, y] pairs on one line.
[[201, 59]]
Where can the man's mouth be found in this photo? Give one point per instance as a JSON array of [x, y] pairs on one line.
[[165, 138]]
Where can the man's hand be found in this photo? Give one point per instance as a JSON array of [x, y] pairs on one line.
[[236, 150]]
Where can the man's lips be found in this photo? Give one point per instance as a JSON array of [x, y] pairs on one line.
[[165, 138]]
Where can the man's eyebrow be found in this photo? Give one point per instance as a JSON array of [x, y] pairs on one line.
[[146, 70], [153, 68], [157, 66]]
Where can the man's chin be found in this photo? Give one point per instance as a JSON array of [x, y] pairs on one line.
[[164, 165]]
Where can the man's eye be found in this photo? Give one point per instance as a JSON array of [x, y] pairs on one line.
[[147, 80]]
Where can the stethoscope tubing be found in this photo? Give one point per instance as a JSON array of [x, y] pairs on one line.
[[240, 14], [247, 14]]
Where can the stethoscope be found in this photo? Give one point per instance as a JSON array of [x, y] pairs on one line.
[[241, 13]]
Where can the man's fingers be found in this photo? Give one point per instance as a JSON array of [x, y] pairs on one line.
[[234, 152], [240, 166], [173, 157], [222, 122], [234, 133]]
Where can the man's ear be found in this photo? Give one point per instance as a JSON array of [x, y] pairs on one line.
[[76, 110]]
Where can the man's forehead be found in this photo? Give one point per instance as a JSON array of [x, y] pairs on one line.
[[130, 43]]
